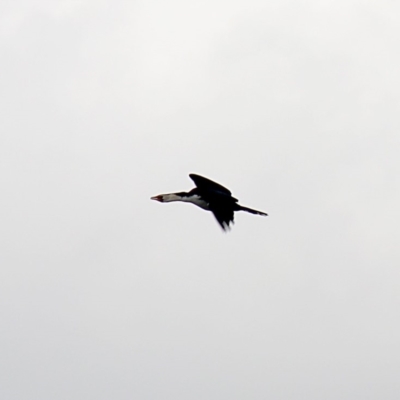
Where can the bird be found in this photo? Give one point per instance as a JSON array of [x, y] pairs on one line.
[[210, 196]]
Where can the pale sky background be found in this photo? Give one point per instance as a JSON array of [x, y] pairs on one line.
[[294, 106]]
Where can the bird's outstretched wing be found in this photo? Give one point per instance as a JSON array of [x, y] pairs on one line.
[[207, 184], [224, 216]]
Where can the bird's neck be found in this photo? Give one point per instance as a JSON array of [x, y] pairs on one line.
[[169, 197]]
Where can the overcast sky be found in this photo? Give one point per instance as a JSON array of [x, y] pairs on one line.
[[294, 106]]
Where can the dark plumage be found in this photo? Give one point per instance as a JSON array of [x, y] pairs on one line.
[[210, 196]]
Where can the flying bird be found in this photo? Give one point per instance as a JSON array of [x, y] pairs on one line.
[[210, 196]]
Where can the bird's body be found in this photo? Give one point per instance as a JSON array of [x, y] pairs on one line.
[[210, 196]]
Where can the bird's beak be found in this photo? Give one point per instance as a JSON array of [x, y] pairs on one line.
[[158, 198]]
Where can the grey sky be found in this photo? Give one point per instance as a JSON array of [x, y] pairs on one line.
[[292, 105]]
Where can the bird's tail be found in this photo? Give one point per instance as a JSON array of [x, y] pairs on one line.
[[250, 210]]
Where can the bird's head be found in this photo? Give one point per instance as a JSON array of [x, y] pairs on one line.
[[166, 198], [159, 198]]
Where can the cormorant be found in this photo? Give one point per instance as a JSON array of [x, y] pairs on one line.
[[210, 196]]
